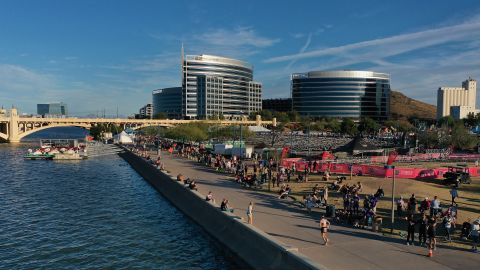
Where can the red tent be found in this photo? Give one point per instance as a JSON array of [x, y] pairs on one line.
[[327, 156]]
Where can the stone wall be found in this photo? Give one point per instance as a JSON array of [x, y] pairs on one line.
[[256, 248]]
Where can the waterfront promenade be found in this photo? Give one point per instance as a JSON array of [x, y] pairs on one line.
[[349, 248]]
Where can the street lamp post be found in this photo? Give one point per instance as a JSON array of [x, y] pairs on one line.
[[309, 122], [393, 196], [241, 149]]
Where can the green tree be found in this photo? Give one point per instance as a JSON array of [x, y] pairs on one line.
[[368, 125], [282, 117], [446, 121], [391, 124], [294, 116], [405, 126], [154, 131], [429, 139], [266, 115], [333, 124], [319, 125], [97, 130], [349, 127], [188, 132], [462, 139], [471, 120]]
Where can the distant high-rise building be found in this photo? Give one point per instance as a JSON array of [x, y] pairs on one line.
[[214, 85], [167, 101], [277, 104], [146, 112], [457, 101], [52, 109], [342, 94]]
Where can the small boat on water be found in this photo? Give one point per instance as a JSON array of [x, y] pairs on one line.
[[33, 156]]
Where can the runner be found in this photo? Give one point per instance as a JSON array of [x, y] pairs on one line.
[[431, 232], [324, 225], [250, 213]]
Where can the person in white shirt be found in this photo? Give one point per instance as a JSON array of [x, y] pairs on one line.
[[435, 207], [474, 234], [449, 223]]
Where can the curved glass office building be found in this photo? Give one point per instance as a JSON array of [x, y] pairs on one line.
[[341, 94], [167, 101], [214, 85]]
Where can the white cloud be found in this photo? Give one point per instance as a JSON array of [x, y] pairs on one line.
[[395, 45], [24, 88], [302, 50], [238, 42], [444, 56], [241, 36], [19, 85], [298, 35]]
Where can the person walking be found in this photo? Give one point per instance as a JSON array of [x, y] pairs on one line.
[[435, 207], [454, 193], [422, 232], [432, 234], [325, 195], [448, 223], [250, 213], [324, 225], [412, 204], [410, 230]]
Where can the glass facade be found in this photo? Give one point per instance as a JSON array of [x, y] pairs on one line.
[[209, 96], [168, 101], [239, 95], [339, 94], [52, 109]]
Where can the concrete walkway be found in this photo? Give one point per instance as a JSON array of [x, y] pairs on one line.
[[349, 248]]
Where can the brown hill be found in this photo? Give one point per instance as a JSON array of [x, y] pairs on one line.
[[402, 106]]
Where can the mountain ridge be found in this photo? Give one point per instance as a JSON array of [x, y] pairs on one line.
[[404, 107]]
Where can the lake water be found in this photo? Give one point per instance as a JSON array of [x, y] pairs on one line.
[[92, 214]]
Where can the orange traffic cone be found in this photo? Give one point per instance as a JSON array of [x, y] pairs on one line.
[[430, 253]]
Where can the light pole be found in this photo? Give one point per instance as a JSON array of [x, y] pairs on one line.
[[309, 122], [241, 148], [393, 194]]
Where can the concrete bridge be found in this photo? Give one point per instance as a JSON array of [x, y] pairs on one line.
[[13, 128]]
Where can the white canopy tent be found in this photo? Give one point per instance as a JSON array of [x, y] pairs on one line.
[[122, 138]]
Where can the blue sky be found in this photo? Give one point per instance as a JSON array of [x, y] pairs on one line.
[[97, 55]]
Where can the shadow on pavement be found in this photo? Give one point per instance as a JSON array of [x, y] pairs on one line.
[[294, 238]]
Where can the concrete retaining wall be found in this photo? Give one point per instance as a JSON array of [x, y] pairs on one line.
[[253, 246]]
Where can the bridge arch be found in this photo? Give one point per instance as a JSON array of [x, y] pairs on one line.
[[26, 133]]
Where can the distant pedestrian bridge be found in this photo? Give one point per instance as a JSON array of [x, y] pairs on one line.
[[13, 128]]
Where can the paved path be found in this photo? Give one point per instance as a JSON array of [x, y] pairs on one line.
[[349, 248]]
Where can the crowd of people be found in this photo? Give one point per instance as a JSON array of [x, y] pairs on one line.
[[194, 153], [422, 217], [429, 218], [316, 141]]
